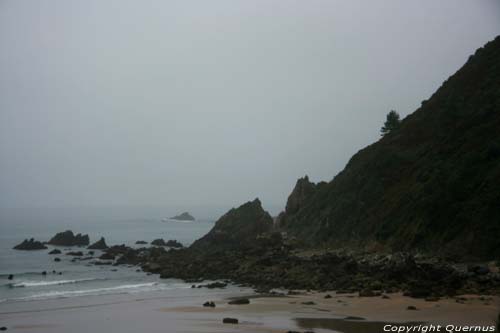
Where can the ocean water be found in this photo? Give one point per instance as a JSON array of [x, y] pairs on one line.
[[72, 279]]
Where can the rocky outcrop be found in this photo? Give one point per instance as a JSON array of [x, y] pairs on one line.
[[99, 245], [174, 243], [302, 191], [159, 242], [67, 238], [430, 185], [29, 245], [239, 228], [183, 217], [141, 242]]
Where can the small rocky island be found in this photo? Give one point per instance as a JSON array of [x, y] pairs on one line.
[[67, 238], [29, 245], [183, 217]]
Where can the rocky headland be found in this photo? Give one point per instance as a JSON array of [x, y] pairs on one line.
[[415, 212]]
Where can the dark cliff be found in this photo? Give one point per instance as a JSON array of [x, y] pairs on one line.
[[431, 185]]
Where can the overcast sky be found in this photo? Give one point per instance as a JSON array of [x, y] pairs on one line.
[[194, 103]]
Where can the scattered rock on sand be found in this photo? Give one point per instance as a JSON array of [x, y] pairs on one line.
[[10, 277], [55, 251], [239, 301], [3, 328], [411, 307], [369, 293], [230, 321], [432, 299], [29, 245], [327, 296], [57, 259], [209, 304], [308, 303]]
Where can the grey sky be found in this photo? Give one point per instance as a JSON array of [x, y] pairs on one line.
[[210, 102]]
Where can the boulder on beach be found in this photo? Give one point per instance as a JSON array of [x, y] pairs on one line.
[[209, 304], [55, 251], [57, 259], [29, 245], [99, 245], [369, 293], [67, 238], [230, 321]]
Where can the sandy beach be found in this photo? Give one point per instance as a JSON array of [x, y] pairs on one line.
[[154, 312]]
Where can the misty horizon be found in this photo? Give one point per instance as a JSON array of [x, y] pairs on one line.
[[205, 107]]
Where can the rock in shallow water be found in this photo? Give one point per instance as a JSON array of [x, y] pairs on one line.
[[67, 238], [99, 245], [29, 245]]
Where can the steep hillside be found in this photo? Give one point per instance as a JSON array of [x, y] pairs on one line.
[[431, 185]]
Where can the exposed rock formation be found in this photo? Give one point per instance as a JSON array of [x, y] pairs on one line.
[[67, 238], [159, 242], [99, 245], [174, 243], [238, 228], [29, 245]]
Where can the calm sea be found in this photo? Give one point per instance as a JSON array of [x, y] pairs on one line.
[[72, 279]]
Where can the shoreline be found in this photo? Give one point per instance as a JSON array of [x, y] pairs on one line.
[[155, 311]]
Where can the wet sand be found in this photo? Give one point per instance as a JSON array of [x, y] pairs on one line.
[[153, 312]]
